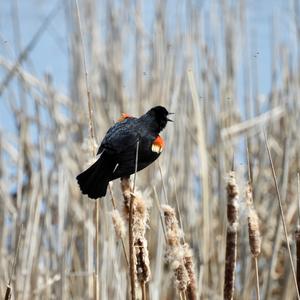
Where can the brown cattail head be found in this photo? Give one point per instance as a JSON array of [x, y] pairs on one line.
[[254, 233], [189, 265], [8, 293], [173, 231], [181, 275], [230, 261], [175, 252], [231, 237], [232, 198], [139, 226], [119, 224], [142, 260], [253, 224]]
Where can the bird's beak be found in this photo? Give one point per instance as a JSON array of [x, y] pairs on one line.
[[170, 119]]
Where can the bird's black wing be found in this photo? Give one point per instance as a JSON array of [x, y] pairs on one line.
[[120, 137]]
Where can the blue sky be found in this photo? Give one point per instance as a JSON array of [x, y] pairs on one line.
[[50, 55]]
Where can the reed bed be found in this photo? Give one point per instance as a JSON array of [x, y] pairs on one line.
[[201, 62]]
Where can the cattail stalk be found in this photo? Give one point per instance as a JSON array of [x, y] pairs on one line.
[[139, 265], [132, 269], [132, 254], [254, 234], [231, 238], [139, 256], [129, 211]]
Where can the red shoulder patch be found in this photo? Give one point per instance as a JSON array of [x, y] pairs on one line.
[[124, 117], [158, 144]]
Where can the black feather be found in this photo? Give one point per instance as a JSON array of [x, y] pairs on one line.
[[93, 181]]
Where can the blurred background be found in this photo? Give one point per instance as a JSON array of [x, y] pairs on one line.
[[227, 69]]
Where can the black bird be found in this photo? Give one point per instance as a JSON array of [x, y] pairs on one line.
[[118, 150]]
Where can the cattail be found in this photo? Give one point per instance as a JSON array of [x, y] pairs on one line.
[[175, 252], [232, 199], [253, 224], [140, 218], [8, 292], [231, 238], [254, 234], [189, 265], [119, 224], [255, 242]]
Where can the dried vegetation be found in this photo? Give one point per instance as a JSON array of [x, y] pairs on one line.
[[200, 62]]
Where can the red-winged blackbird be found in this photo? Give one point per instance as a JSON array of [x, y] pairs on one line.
[[118, 150]]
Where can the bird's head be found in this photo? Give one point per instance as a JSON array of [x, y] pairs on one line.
[[160, 115]]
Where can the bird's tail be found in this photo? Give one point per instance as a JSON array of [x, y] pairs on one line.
[[93, 181]]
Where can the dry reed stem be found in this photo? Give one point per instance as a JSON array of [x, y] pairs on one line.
[[253, 224], [175, 252], [24, 54], [118, 223], [64, 128], [178, 210], [282, 215], [163, 182], [160, 213], [8, 292], [231, 238], [144, 292], [273, 115], [257, 278], [204, 169], [121, 223], [92, 137]]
